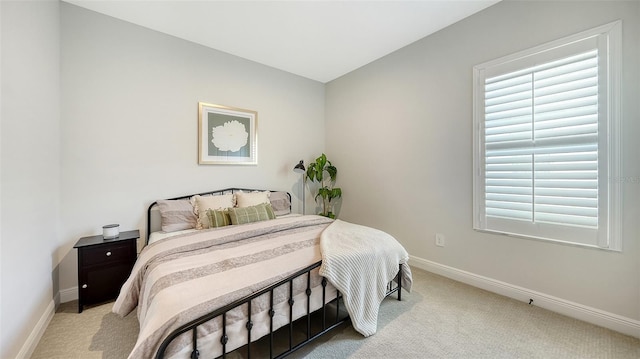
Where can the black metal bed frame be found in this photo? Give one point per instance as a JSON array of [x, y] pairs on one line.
[[222, 312]]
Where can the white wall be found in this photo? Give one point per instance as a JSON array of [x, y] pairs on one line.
[[129, 124], [410, 170], [124, 134], [30, 167]]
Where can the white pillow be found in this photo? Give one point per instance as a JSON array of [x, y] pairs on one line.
[[202, 203], [248, 199]]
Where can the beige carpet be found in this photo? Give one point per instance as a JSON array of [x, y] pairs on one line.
[[441, 318]]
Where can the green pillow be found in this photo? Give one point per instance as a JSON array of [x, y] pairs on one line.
[[218, 218], [259, 212]]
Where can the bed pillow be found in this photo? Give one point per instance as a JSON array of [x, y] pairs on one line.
[[257, 213], [176, 215], [280, 202], [202, 203], [247, 199], [218, 218]]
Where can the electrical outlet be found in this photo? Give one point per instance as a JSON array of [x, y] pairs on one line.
[[439, 239]]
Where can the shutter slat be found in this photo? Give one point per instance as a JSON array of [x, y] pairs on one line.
[[509, 113], [566, 210], [509, 175], [524, 127], [509, 96], [557, 183], [514, 136], [511, 214], [589, 103], [509, 197], [495, 84], [588, 193], [567, 131], [566, 122], [525, 191], [508, 105], [567, 86], [565, 77], [566, 113], [567, 157], [567, 166], [509, 121], [568, 94], [567, 201], [555, 218], [508, 159], [515, 206], [566, 175], [508, 182]]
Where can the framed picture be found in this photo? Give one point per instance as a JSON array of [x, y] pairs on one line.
[[227, 135]]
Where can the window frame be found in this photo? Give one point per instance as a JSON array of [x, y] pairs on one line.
[[608, 39]]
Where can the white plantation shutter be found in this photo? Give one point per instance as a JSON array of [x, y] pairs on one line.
[[541, 143], [542, 139]]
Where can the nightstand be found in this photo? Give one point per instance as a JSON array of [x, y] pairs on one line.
[[104, 265]]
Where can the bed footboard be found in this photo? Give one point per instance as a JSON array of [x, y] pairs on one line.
[[331, 314]]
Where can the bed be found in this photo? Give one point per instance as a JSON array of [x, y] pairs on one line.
[[241, 274]]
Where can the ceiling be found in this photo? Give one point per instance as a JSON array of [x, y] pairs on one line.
[[319, 40]]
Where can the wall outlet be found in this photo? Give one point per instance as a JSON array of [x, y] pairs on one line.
[[439, 239]]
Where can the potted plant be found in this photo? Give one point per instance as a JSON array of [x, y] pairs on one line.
[[327, 192]]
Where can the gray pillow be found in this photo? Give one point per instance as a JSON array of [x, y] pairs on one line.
[[280, 202], [176, 215]]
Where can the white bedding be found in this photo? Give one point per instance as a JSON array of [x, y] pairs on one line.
[[156, 236]]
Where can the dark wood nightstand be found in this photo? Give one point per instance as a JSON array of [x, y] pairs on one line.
[[104, 265]]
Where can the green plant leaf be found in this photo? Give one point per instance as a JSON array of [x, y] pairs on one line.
[[335, 193], [311, 171], [324, 192], [319, 167], [333, 171], [322, 160]]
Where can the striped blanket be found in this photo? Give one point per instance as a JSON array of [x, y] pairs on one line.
[[178, 279]]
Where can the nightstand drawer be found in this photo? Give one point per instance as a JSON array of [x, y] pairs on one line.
[[116, 252]]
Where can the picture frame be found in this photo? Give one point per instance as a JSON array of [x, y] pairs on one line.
[[227, 135]]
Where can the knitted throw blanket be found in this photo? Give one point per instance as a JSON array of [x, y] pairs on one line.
[[360, 261]]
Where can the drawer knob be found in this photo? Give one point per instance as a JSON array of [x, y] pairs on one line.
[[108, 254], [84, 286]]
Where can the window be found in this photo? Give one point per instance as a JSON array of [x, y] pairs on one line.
[[546, 141]]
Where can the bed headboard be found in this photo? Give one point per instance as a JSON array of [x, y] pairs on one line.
[[153, 213]]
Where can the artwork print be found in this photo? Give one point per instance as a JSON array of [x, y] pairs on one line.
[[226, 135]]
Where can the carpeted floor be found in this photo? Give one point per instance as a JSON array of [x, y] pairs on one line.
[[441, 318]]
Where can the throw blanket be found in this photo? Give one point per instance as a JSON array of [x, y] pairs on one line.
[[360, 261]]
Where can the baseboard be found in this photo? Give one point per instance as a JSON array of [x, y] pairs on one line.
[[36, 334], [69, 294], [588, 314]]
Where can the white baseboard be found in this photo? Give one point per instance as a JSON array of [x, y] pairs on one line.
[[36, 334], [588, 314], [69, 294]]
